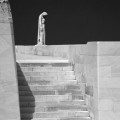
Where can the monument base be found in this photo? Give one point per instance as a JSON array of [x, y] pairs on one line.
[[39, 45]]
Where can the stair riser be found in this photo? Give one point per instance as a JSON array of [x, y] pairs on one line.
[[45, 98], [56, 114], [24, 95], [52, 109], [47, 77], [36, 93], [42, 69], [51, 78], [26, 83], [49, 88], [37, 80], [45, 73], [43, 104], [27, 93], [44, 64], [78, 97]]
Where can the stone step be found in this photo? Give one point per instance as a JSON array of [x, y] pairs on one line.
[[44, 64], [63, 92], [41, 73], [44, 69], [74, 93], [52, 103], [52, 76], [51, 87], [45, 98], [53, 108], [51, 84], [46, 78], [67, 118], [43, 92], [58, 114], [25, 83], [76, 118], [65, 88], [78, 96], [52, 81]]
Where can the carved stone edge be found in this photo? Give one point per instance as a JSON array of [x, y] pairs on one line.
[[3, 1], [6, 16]]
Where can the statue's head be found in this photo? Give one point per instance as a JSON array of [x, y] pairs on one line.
[[3, 1], [44, 13]]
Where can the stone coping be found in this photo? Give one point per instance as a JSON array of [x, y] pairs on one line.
[[42, 61]]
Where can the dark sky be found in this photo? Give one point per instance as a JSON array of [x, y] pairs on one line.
[[68, 21]]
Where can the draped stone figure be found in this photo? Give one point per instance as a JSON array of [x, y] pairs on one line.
[[41, 29]]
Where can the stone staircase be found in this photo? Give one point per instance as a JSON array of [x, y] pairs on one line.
[[50, 91]]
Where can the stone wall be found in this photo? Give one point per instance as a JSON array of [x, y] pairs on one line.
[[85, 66], [109, 80], [9, 100], [47, 50]]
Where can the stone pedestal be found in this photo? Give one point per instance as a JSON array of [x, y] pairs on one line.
[[9, 100]]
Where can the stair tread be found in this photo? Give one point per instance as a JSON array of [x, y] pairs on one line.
[[72, 118]]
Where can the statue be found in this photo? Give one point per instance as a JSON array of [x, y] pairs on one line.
[[41, 29]]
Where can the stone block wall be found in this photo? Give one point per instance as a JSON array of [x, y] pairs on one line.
[[84, 58], [109, 80]]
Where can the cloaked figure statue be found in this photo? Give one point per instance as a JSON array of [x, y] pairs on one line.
[[41, 29]]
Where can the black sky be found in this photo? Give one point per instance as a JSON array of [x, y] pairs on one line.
[[68, 21]]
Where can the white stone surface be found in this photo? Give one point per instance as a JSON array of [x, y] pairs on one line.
[[105, 104], [9, 100], [109, 48], [104, 72], [108, 115], [109, 82]]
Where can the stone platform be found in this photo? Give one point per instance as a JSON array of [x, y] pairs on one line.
[[27, 58]]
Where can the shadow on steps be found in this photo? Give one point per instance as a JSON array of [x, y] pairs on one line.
[[26, 97]]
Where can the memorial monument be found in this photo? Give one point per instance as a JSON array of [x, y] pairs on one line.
[[41, 29]]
